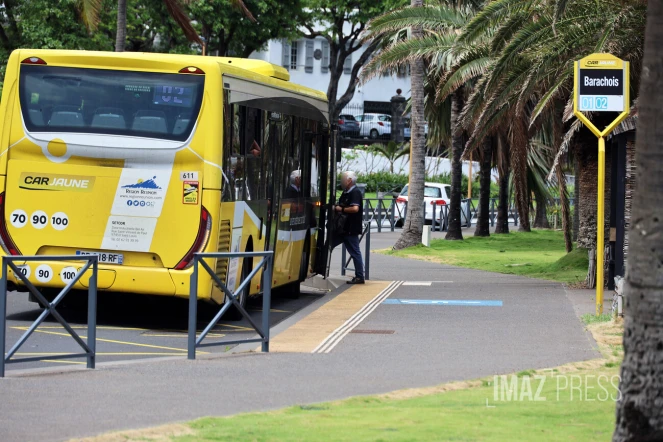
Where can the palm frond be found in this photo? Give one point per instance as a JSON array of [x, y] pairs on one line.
[[183, 21], [431, 18], [90, 13]]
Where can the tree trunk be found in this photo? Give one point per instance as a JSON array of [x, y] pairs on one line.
[[121, 36], [587, 183], [564, 204], [541, 214], [414, 221], [519, 144], [504, 170], [640, 408], [576, 198], [454, 231], [483, 217]]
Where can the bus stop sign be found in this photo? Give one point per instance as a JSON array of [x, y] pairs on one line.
[[601, 82]]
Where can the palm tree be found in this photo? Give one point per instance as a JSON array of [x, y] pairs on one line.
[[486, 160], [414, 221], [533, 43], [391, 151], [454, 231], [441, 24], [504, 171], [639, 408]]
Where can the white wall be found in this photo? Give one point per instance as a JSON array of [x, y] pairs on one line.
[[377, 89], [366, 162]]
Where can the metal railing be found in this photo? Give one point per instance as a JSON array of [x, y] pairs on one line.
[[50, 309], [266, 284], [468, 212], [381, 210], [366, 233], [375, 209]]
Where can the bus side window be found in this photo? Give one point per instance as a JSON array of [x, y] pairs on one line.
[[254, 148], [227, 193], [237, 177]]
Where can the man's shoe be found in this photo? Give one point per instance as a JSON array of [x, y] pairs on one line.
[[356, 280]]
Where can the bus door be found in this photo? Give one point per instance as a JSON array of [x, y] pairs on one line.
[[319, 148]]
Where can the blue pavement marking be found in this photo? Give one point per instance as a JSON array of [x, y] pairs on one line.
[[441, 302]]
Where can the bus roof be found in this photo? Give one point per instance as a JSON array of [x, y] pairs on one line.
[[257, 70]]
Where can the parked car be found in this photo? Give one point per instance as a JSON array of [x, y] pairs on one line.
[[348, 126], [374, 126], [435, 194], [406, 130]]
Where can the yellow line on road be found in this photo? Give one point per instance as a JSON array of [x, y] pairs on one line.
[[112, 341], [63, 362], [104, 354], [240, 327], [309, 332], [209, 335], [84, 327]]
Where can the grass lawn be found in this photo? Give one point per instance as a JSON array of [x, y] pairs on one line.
[[477, 410], [455, 415], [537, 254]]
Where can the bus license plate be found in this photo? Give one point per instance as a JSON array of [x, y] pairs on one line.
[[106, 258]]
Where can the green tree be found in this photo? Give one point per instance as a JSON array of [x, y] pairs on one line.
[[342, 24], [228, 30], [44, 24]]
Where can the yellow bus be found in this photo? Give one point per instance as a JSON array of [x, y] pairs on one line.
[[145, 159]]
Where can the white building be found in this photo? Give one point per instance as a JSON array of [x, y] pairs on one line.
[[307, 60]]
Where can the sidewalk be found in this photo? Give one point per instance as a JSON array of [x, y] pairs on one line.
[[399, 345]]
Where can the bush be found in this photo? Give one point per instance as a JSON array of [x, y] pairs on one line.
[[384, 181], [446, 179]]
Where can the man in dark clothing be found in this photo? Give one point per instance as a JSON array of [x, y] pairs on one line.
[[294, 190], [351, 204]]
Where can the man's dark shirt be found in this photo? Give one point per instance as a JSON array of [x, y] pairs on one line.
[[353, 224], [292, 192]]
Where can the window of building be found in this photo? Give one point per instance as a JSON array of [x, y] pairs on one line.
[[293, 55]]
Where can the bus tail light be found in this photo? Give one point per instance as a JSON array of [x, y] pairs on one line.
[[5, 240], [204, 229], [33, 60], [191, 70]]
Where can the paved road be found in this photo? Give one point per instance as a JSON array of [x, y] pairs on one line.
[[535, 327], [131, 327]]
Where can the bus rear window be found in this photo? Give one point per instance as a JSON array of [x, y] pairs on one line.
[[141, 104]]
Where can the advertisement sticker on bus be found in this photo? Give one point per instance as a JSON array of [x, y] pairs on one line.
[[129, 233], [190, 190], [141, 192]]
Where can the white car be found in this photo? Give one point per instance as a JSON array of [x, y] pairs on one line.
[[435, 194], [374, 126], [407, 132]]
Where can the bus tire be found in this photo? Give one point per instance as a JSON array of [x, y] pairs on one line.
[[291, 290], [233, 313]]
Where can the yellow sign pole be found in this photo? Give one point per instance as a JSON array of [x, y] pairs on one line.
[[600, 63], [600, 223]]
